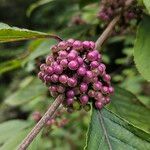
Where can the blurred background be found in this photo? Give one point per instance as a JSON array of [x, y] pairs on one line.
[[24, 99]]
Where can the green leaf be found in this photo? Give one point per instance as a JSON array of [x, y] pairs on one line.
[[127, 106], [13, 142], [83, 3], [109, 132], [9, 128], [9, 34], [147, 5], [31, 89], [142, 48], [10, 65]]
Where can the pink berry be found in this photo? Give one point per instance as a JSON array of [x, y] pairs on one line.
[[97, 86], [53, 88], [98, 96], [81, 71], [98, 105], [84, 99], [63, 79], [70, 42], [80, 60], [72, 82], [63, 54], [106, 77], [60, 89], [62, 45], [77, 45], [49, 70], [58, 69], [105, 89], [73, 65], [71, 56], [41, 75], [91, 93], [49, 60], [89, 74], [111, 90], [54, 78], [64, 63], [92, 55], [70, 94], [94, 64], [70, 101], [86, 44], [92, 45], [83, 87]]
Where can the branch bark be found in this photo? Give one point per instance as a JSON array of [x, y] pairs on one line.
[[50, 112]]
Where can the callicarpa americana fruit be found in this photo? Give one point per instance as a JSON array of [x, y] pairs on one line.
[[75, 68]]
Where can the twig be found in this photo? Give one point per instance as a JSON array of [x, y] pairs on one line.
[[50, 112]]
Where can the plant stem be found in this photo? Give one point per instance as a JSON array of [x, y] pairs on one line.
[[37, 128]]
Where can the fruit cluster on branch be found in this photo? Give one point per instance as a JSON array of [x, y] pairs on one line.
[[75, 68]]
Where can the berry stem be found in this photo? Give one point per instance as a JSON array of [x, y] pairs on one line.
[[110, 27], [37, 128]]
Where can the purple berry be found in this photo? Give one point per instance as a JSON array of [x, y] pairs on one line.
[[106, 77], [91, 93], [94, 64], [111, 90], [92, 55], [64, 63], [80, 60], [49, 70], [54, 78], [105, 90], [63, 79], [58, 69], [81, 71], [98, 105], [41, 75], [53, 88], [62, 45], [83, 87], [73, 65], [97, 86], [89, 74], [98, 96], [77, 45], [70, 101], [60, 89], [70, 94], [49, 60], [92, 45], [86, 44], [42, 67], [84, 99], [72, 56], [70, 42], [72, 82], [63, 54]]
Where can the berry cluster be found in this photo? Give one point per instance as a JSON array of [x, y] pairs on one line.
[[75, 69], [110, 8]]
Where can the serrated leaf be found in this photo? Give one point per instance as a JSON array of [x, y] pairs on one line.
[[147, 5], [9, 34], [141, 48], [30, 91], [9, 128], [127, 106], [109, 132]]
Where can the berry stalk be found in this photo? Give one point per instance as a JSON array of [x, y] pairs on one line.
[[50, 112]]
